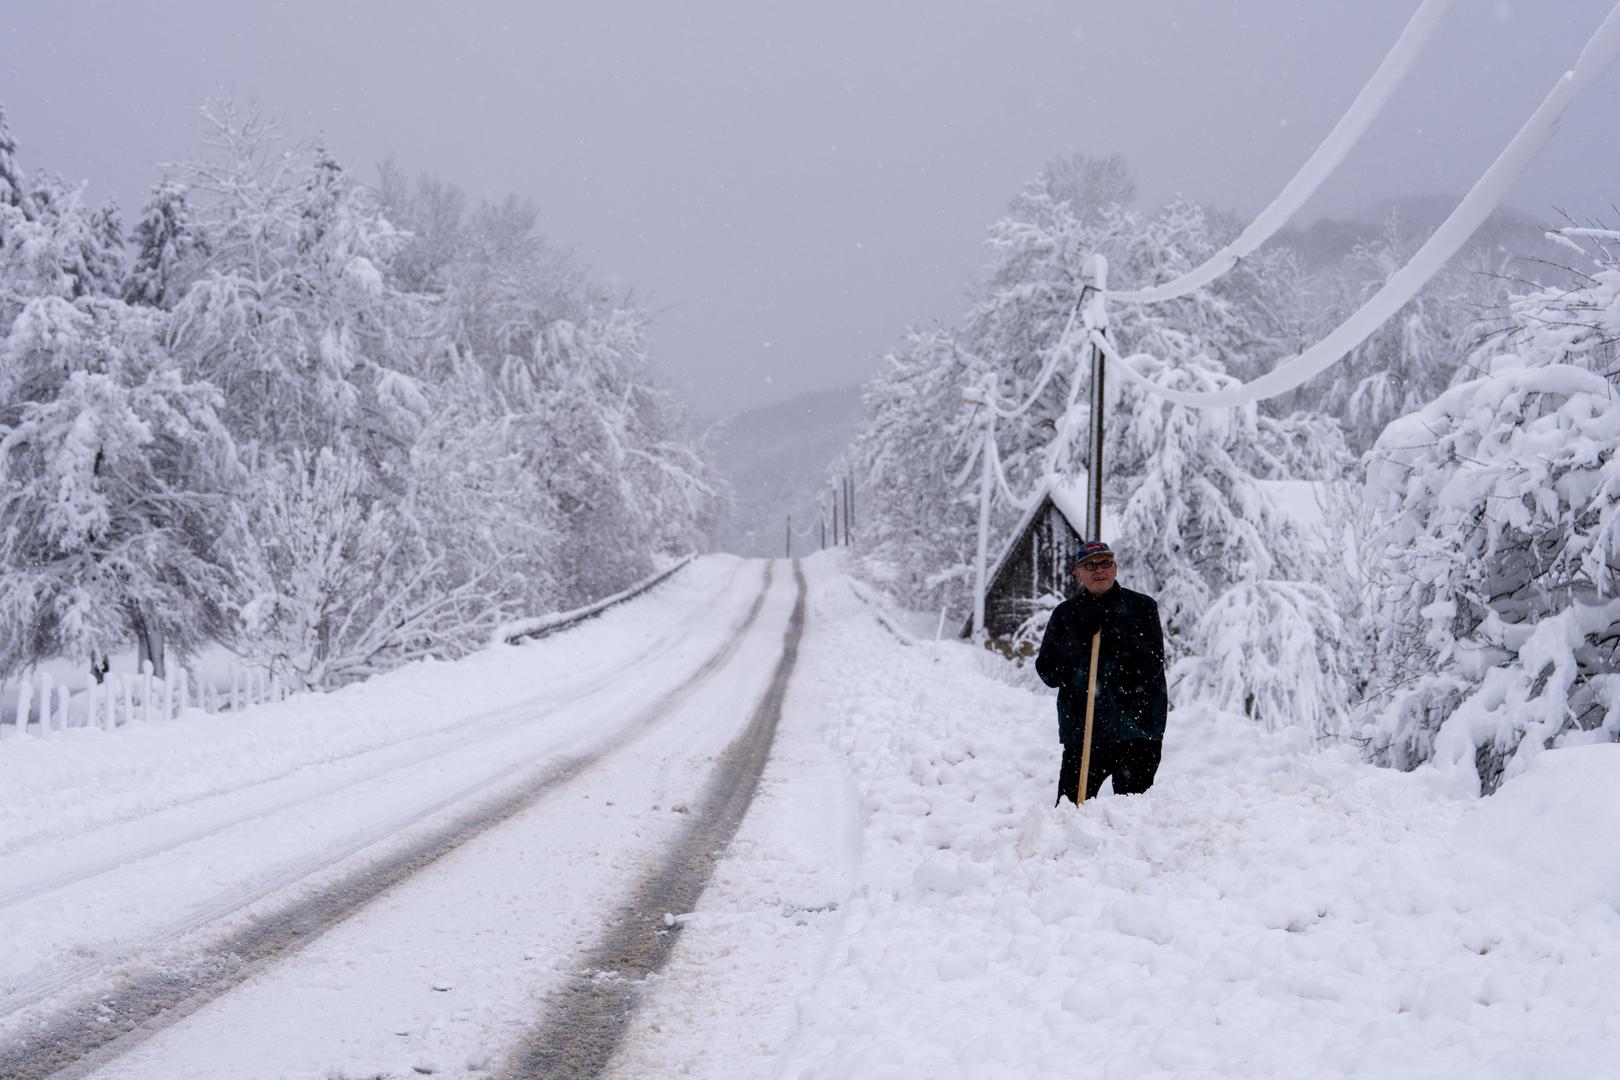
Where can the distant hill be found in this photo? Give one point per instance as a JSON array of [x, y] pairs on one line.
[[777, 458], [1507, 233]]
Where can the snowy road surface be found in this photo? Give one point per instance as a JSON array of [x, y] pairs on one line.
[[417, 876]]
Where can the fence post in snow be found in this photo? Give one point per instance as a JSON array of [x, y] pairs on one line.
[[129, 702], [146, 692], [45, 685], [25, 693], [185, 695]]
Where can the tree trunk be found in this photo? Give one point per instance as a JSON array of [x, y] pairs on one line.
[[148, 641]]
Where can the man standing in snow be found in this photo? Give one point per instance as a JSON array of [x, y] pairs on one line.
[[1132, 699]]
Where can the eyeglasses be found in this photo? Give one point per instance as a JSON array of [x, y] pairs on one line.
[[1096, 565]]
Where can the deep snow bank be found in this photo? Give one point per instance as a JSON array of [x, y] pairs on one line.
[[1267, 910]]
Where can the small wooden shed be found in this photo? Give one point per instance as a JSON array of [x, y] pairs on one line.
[[1037, 561]]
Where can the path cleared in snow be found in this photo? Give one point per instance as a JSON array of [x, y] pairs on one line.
[[1267, 910]]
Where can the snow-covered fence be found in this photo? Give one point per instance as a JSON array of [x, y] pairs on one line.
[[37, 704]]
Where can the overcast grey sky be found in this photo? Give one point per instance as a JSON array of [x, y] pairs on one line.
[[794, 183]]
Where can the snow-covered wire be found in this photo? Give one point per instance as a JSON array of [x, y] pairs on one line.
[[1058, 352], [815, 523], [1020, 503], [1486, 195], [1344, 136]]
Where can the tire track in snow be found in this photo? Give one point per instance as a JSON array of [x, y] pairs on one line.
[[80, 1036], [591, 1013], [491, 724]]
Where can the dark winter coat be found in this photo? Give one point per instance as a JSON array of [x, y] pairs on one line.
[[1132, 699]]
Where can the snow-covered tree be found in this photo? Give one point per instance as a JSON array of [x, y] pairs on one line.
[[293, 315], [398, 439], [625, 484], [169, 249], [336, 583], [917, 523], [1499, 512], [11, 181], [113, 471], [1189, 514], [1413, 356], [1273, 651], [85, 252]]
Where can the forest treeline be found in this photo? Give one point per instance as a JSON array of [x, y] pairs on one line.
[[332, 425], [1465, 605]]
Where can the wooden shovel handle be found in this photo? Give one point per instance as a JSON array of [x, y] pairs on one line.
[[1091, 708]]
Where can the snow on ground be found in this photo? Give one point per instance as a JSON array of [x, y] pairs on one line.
[[1267, 910], [903, 900], [444, 973], [83, 779], [726, 1005], [113, 841]]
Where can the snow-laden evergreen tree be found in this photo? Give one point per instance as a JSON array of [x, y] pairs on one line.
[[113, 475], [1499, 512], [169, 249], [86, 247], [11, 180]]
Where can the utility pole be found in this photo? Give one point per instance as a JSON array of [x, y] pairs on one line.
[[984, 397], [1095, 312], [845, 485], [1094, 466], [852, 502], [836, 540], [790, 536], [821, 521]]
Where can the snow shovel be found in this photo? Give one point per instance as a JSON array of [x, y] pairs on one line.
[[1091, 707]]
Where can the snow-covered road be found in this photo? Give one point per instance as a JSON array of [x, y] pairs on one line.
[[426, 874], [377, 841]]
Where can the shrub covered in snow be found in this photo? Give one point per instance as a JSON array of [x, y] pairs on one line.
[[1272, 651], [1499, 512]]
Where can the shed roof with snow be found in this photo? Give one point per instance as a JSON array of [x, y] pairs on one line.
[[1033, 569]]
